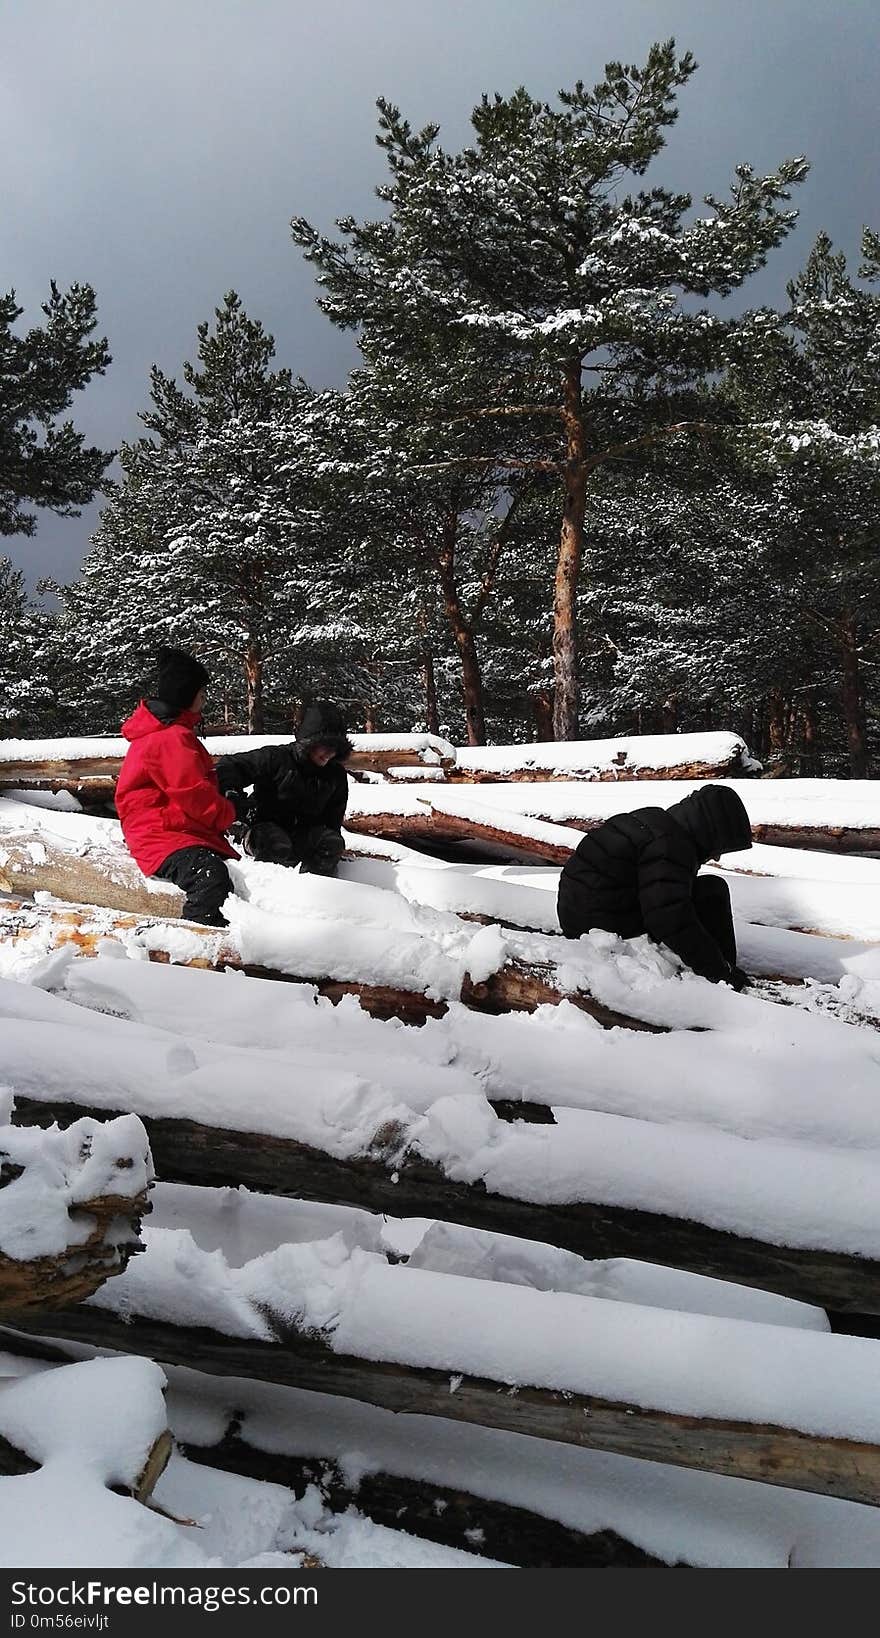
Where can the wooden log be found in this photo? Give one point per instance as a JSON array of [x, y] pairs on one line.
[[767, 1453], [497, 840], [33, 861], [614, 775], [434, 1512], [105, 1233], [516, 987], [716, 755], [405, 1185], [96, 776]]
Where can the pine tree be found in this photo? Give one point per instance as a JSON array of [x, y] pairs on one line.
[[437, 533], [814, 394], [205, 540], [44, 463], [527, 245], [26, 692]]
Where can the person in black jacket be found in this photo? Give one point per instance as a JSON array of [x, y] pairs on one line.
[[300, 793], [638, 873]]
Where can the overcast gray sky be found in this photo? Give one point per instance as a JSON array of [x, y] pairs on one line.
[[158, 148]]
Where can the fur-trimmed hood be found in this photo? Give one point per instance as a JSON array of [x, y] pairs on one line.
[[324, 724]]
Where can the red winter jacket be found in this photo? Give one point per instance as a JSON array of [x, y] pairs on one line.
[[167, 795]]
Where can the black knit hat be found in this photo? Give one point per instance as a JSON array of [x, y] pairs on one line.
[[179, 676]]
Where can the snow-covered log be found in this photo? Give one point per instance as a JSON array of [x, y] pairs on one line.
[[517, 986], [393, 1178], [71, 1204], [435, 1512], [89, 768], [91, 873], [544, 821], [107, 1415], [648, 756], [439, 819], [760, 1402]]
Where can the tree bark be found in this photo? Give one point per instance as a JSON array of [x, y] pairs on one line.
[[853, 697], [429, 681], [542, 711], [566, 701], [462, 631], [253, 673], [776, 720], [809, 737]]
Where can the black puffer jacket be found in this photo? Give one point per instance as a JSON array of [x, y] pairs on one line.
[[290, 789], [635, 874]]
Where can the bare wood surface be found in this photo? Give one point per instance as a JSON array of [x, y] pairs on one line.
[[76, 1272], [31, 862]]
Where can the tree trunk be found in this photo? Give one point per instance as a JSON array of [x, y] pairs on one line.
[[542, 711], [371, 706], [852, 698], [571, 542], [809, 736], [776, 724], [253, 672], [669, 714], [429, 683], [471, 675]]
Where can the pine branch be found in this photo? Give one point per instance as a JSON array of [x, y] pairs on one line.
[[646, 440], [502, 410], [516, 465]]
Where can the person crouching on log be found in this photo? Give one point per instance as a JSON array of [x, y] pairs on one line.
[[172, 814], [638, 873], [300, 793]]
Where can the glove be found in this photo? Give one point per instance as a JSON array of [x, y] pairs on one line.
[[241, 803], [739, 979]]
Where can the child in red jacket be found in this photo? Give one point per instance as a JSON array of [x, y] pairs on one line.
[[169, 803]]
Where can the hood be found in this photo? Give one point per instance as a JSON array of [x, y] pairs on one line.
[[715, 820], [324, 724], [151, 716]]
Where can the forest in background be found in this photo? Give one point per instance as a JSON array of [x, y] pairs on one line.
[[569, 491]]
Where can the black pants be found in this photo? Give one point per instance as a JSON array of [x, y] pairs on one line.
[[204, 878], [712, 904], [315, 848]]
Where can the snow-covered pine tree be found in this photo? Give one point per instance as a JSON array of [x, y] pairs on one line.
[[693, 626], [208, 538], [26, 690], [529, 242], [433, 523], [44, 462], [813, 390]]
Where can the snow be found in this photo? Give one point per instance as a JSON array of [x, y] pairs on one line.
[[659, 1359], [585, 759], [663, 1130], [835, 803], [429, 747], [62, 1170], [755, 1117], [90, 1425], [674, 1513]]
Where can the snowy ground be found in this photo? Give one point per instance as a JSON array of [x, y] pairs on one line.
[[748, 1114]]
